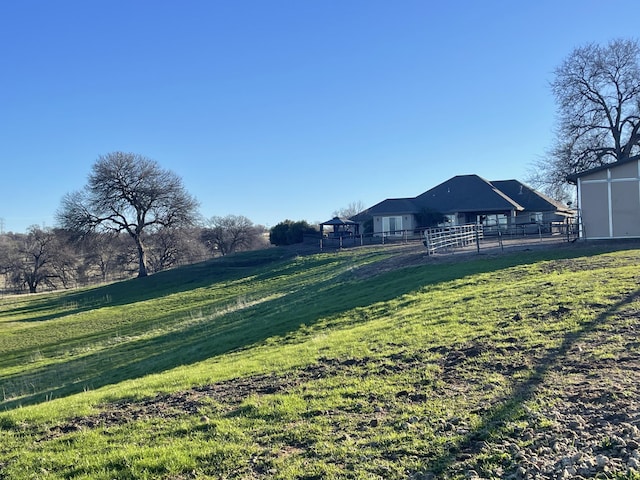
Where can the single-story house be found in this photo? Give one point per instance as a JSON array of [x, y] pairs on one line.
[[609, 200], [466, 199]]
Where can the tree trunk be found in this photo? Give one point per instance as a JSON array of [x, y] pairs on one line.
[[142, 258], [33, 285]]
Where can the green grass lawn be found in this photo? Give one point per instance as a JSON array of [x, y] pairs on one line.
[[272, 365]]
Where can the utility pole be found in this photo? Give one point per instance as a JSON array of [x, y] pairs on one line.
[[1, 226]]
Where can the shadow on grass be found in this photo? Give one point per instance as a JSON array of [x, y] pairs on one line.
[[241, 329], [130, 293], [232, 267], [232, 331], [511, 408]]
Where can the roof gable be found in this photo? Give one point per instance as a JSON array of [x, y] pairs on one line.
[[526, 196], [466, 193]]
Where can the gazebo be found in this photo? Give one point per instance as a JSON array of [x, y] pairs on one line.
[[342, 227]]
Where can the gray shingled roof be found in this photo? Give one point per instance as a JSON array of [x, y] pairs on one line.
[[466, 193], [394, 206], [527, 197], [470, 193]]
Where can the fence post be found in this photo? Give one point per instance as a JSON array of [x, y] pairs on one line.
[[477, 239]]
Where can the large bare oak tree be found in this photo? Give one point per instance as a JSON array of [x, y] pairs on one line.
[[597, 91], [131, 193]]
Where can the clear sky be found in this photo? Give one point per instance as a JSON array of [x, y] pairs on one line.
[[282, 109]]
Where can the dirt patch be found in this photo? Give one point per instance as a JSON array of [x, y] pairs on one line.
[[229, 393]]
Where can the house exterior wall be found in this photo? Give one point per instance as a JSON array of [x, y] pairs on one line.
[[609, 202], [408, 224]]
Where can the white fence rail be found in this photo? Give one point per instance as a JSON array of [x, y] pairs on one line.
[[446, 238]]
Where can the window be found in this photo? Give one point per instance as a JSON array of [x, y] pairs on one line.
[[392, 225], [498, 221], [536, 217]]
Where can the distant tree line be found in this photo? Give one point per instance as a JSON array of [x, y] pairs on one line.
[[53, 258], [132, 218]]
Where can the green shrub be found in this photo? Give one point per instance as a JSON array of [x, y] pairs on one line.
[[290, 232]]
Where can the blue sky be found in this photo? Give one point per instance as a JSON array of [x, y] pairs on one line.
[[282, 109]]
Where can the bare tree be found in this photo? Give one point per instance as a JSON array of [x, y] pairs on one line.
[[170, 247], [129, 193], [102, 252], [350, 210], [597, 90], [6, 250], [224, 235], [38, 258]]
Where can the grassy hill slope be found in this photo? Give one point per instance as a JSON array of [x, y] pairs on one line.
[[367, 363]]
